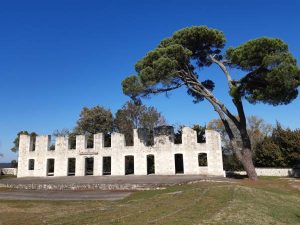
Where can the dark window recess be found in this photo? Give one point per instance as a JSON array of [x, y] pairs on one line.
[[179, 163], [52, 147], [150, 164], [202, 159], [89, 166], [129, 138], [129, 164], [106, 165], [146, 136], [107, 140], [50, 167], [90, 141], [178, 137], [52, 144], [71, 166], [200, 133], [31, 164], [72, 142], [32, 143]]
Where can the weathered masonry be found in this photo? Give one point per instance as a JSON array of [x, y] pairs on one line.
[[39, 158]]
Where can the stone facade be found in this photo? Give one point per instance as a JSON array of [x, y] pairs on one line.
[[167, 158]]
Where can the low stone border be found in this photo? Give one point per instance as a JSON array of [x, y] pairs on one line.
[[276, 172], [8, 171], [130, 183], [107, 187]]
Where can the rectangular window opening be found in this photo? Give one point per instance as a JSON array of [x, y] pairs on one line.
[[50, 167], [129, 138], [129, 164], [178, 137], [72, 142], [89, 166], [201, 135], [150, 164], [179, 168], [146, 136], [107, 140], [71, 166], [106, 165], [202, 159], [32, 142], [31, 164], [90, 141], [52, 143]]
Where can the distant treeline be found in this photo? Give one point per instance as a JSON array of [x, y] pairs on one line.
[[5, 165]]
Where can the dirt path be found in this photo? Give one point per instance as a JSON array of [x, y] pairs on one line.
[[62, 195]]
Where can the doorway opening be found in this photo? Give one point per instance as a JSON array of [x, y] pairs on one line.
[[150, 164], [179, 163], [89, 166], [50, 167], [106, 165], [71, 166], [129, 164]]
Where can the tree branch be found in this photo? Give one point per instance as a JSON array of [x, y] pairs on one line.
[[224, 69], [193, 83], [159, 90], [232, 138], [208, 95]]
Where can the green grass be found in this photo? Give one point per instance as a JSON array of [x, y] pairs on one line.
[[7, 176], [268, 201]]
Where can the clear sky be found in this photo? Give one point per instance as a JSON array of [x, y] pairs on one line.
[[57, 56]]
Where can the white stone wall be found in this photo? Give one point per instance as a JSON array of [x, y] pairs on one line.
[[164, 151], [274, 172], [8, 171]]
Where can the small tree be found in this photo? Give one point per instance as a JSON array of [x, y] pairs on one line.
[[67, 132], [14, 164], [15, 148], [200, 132], [63, 132], [135, 115], [94, 120], [271, 76], [281, 149], [257, 129], [269, 154]]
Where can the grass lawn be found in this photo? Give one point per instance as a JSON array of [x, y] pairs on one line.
[[268, 201], [7, 176]]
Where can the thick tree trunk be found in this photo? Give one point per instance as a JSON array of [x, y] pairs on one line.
[[245, 157], [243, 153]]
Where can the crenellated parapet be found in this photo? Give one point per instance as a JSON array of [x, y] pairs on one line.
[[43, 152], [161, 138]]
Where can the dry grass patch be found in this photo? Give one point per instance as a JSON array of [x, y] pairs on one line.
[[268, 201]]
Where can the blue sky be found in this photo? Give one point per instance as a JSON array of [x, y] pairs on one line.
[[59, 56]]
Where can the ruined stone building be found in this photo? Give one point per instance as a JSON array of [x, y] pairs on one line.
[[39, 158]]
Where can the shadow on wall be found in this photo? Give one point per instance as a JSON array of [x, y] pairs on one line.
[[294, 173]]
